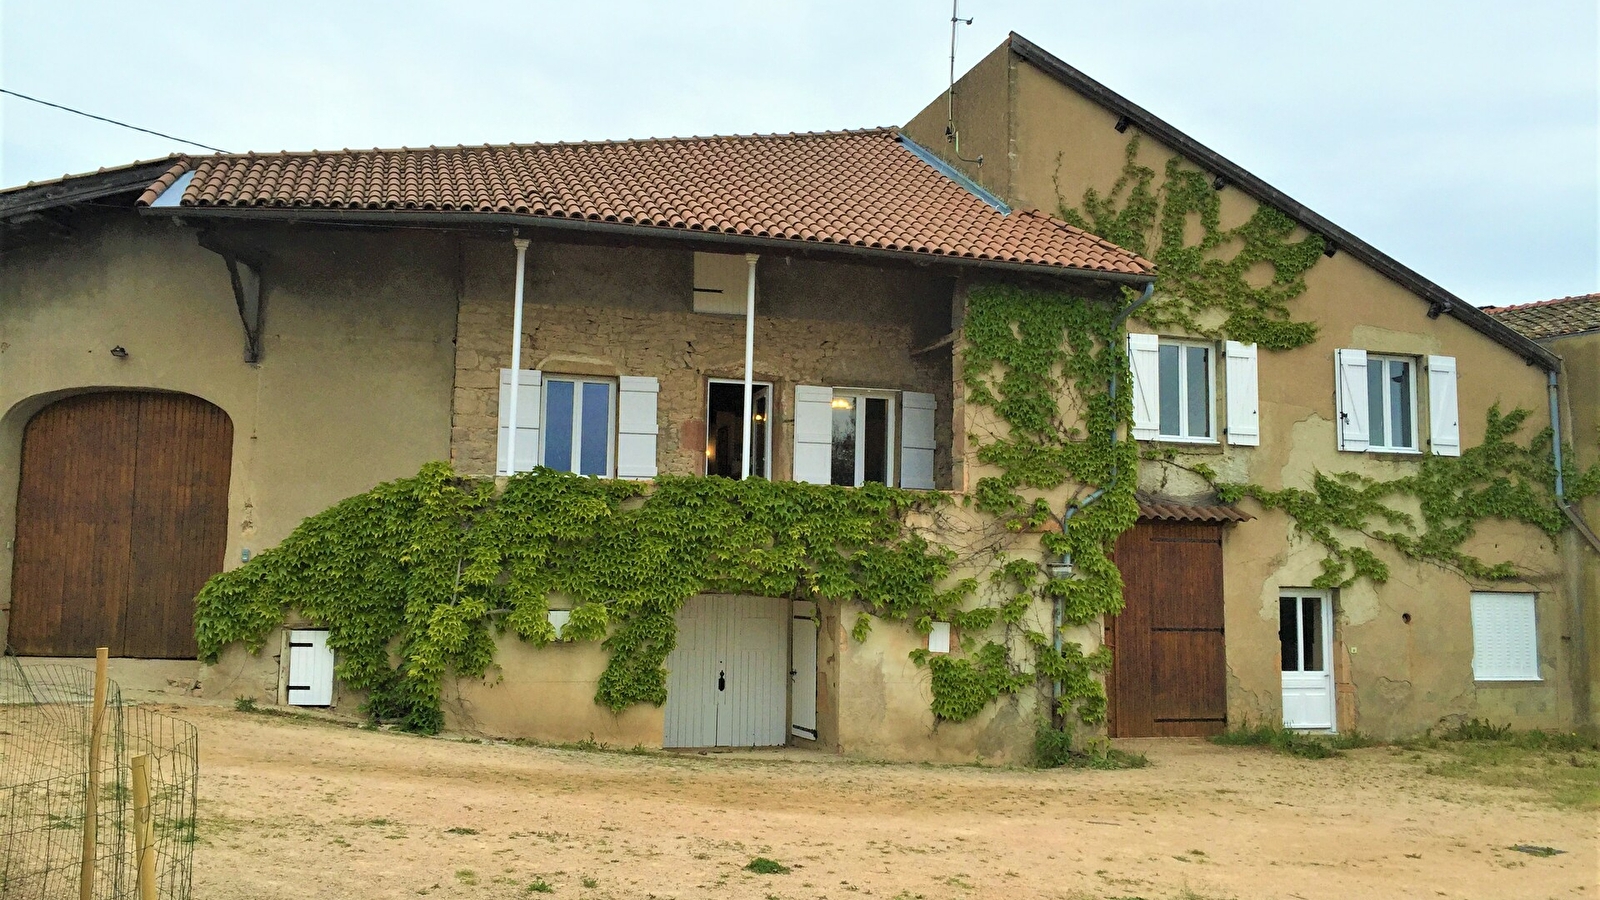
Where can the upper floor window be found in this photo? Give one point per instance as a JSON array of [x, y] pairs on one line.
[[853, 436], [1392, 403], [863, 439], [579, 424], [1186, 392]]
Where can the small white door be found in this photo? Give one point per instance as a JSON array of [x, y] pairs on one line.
[[310, 680], [1305, 635], [726, 675], [803, 671]]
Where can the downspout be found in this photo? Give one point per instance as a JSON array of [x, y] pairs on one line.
[[749, 360], [1573, 516], [1099, 492], [516, 357]]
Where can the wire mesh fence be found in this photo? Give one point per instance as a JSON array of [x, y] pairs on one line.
[[68, 803]]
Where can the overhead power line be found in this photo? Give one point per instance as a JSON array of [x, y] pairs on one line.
[[79, 112]]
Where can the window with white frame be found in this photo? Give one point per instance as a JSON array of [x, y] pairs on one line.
[[863, 438], [580, 424], [1505, 641], [1186, 391], [1392, 403]]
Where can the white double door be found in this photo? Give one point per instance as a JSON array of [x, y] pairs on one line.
[[727, 678], [1305, 636]]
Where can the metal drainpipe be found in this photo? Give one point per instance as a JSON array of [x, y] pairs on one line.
[[749, 360], [516, 358], [1555, 430], [1097, 493]]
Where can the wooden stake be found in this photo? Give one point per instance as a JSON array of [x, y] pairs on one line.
[[144, 828], [91, 798]]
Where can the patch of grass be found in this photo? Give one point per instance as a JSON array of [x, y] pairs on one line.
[[466, 876], [244, 704], [1564, 767], [590, 881], [1052, 749], [539, 886], [763, 866], [1294, 743], [459, 829]]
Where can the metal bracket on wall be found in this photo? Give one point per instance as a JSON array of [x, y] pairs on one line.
[[245, 275]]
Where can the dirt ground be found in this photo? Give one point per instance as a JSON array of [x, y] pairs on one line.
[[295, 808]]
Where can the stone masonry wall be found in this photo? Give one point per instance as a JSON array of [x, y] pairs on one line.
[[625, 311]]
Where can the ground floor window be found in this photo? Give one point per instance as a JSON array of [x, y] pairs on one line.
[[725, 429], [863, 438], [1505, 639]]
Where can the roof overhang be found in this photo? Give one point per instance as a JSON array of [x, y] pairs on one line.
[[467, 220], [1439, 300], [70, 189]]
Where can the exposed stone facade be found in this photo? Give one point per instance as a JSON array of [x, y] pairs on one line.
[[820, 323]]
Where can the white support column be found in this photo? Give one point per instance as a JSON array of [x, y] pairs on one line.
[[749, 360], [516, 356]]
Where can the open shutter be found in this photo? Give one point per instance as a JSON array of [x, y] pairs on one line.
[[916, 440], [813, 434], [803, 670], [1444, 422], [310, 681], [1350, 371], [528, 393], [1244, 412], [636, 427], [1144, 359]]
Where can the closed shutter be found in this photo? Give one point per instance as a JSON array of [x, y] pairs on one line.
[[636, 427], [528, 395], [310, 678], [813, 434], [1244, 413], [1505, 645], [1444, 422], [916, 440], [1144, 360], [1350, 372]]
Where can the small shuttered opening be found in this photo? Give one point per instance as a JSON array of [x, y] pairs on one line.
[[310, 676]]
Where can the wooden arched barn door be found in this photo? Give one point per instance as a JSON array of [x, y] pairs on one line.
[[122, 515]]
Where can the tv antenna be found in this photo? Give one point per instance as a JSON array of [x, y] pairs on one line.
[[950, 132]]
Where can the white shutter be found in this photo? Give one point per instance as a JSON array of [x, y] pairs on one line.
[[528, 396], [636, 427], [310, 678], [1244, 411], [803, 670], [1350, 372], [1444, 423], [813, 434], [1505, 643], [916, 440], [1144, 359]]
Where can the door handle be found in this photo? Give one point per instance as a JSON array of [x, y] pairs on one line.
[[722, 681]]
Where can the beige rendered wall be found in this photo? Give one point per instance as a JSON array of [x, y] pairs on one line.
[[1400, 678], [353, 386], [1580, 374]]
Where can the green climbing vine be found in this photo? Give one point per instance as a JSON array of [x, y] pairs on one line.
[[1053, 369], [415, 577], [1247, 273], [1499, 479]]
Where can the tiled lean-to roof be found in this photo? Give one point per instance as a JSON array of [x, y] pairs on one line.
[[861, 189], [1552, 318]]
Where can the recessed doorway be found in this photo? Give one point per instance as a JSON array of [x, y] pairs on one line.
[[725, 429]]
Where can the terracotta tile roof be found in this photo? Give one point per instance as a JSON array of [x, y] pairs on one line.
[[1551, 318], [857, 188], [1161, 510]]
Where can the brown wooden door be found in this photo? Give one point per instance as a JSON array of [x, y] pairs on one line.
[[1169, 670], [121, 517]]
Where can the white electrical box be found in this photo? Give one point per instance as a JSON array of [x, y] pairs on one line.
[[939, 638], [310, 668]]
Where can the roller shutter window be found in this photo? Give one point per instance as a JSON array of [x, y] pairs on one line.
[[1505, 642]]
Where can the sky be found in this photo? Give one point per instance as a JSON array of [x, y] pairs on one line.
[[1461, 138]]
